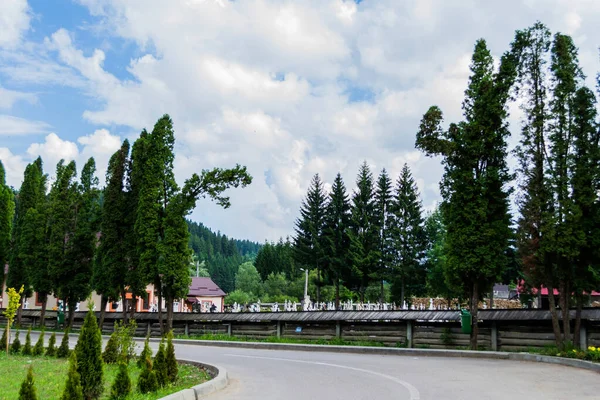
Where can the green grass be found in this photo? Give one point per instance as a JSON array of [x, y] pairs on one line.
[[273, 339], [50, 375]]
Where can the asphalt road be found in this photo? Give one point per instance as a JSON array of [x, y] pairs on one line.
[[299, 375]]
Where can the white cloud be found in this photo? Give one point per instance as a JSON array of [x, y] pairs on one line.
[[14, 166], [14, 21], [9, 97], [11, 125]]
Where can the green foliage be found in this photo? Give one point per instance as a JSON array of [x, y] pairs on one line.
[[27, 391], [4, 339], [63, 350], [73, 389], [27, 351], [89, 357], [123, 346], [237, 296], [38, 349], [248, 280], [111, 351], [160, 365], [447, 337], [276, 285], [147, 382], [15, 347], [385, 225], [7, 211], [121, 387], [146, 353], [171, 361], [51, 350]]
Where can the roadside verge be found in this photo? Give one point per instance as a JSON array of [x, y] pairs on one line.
[[219, 381]]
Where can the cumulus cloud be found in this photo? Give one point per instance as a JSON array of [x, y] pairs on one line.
[[14, 21]]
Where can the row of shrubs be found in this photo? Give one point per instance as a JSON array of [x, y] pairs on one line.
[[85, 376]]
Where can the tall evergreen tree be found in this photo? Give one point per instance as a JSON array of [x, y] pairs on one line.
[[7, 210], [475, 198], [383, 207], [309, 242], [364, 235], [336, 234], [407, 234]]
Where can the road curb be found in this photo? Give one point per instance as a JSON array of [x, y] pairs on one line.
[[494, 355], [219, 381]]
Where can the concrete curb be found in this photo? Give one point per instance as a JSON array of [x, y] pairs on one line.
[[494, 355], [218, 382]]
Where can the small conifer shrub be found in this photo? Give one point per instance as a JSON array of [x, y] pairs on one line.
[[171, 361], [27, 350], [111, 351], [38, 349], [51, 350], [63, 349], [15, 347], [147, 382], [146, 352], [122, 384], [73, 389], [89, 357], [160, 365], [27, 391]]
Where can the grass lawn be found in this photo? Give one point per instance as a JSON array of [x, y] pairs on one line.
[[50, 375]]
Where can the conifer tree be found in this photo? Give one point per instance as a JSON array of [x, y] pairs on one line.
[[159, 366], [73, 389], [27, 350], [63, 350], [4, 339], [309, 242], [28, 391], [147, 382], [337, 242], [146, 353], [364, 236], [121, 387], [408, 234], [51, 350], [38, 349], [170, 359], [15, 347], [89, 357], [7, 211], [383, 207], [111, 351]]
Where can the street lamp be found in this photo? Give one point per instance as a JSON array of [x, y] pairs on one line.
[[305, 283]]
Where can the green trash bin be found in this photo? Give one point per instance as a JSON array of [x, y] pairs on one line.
[[465, 321], [60, 318]]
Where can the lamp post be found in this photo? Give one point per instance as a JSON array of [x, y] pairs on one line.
[[306, 298]]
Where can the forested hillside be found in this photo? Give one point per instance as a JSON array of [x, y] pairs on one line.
[[219, 255]]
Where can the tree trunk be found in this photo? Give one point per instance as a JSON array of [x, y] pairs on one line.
[[169, 307], [7, 337], [492, 298], [337, 291], [382, 298], [124, 303], [555, 324], [20, 311], [577, 330], [160, 314], [72, 304], [474, 325], [103, 303], [133, 306], [402, 292], [318, 284], [43, 311], [564, 309]]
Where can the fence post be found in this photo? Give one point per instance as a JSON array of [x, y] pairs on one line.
[[278, 329], [494, 337], [338, 329], [149, 328], [229, 329], [583, 337], [409, 334]]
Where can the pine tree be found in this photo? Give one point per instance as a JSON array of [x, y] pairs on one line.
[[38, 349], [475, 198], [364, 235], [73, 389], [27, 391], [15, 347], [51, 350], [147, 382], [160, 365], [121, 387], [383, 206], [170, 359], [309, 242], [89, 357], [336, 234], [63, 350], [408, 234], [146, 353], [27, 351], [111, 351], [7, 211]]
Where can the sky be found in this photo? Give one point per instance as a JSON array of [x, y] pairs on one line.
[[288, 88]]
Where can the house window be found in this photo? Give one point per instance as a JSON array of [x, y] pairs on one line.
[[38, 302], [146, 304]]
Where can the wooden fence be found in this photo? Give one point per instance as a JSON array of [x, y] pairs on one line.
[[504, 330]]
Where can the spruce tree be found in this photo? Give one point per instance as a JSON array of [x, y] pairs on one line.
[[7, 211], [121, 387], [337, 243], [38, 349], [159, 366], [171, 360], [51, 350], [27, 391], [89, 357], [146, 353], [408, 234], [383, 207], [15, 347], [63, 350], [364, 235], [309, 241], [474, 186], [73, 389], [147, 382], [27, 350]]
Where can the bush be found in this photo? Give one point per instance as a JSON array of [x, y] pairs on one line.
[[126, 344], [3, 339], [27, 391], [63, 349], [238, 296], [147, 382], [51, 350], [38, 350], [172, 367], [146, 352], [111, 351], [73, 389], [122, 384], [27, 351], [15, 347], [89, 357], [160, 365]]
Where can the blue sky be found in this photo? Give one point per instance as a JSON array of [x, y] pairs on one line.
[[287, 88]]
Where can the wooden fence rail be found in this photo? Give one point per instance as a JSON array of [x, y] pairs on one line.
[[504, 330]]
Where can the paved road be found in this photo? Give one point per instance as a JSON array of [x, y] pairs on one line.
[[299, 375]]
